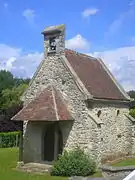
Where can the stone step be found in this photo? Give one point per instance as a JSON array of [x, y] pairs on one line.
[[35, 167]]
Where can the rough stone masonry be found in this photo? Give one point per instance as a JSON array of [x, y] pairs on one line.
[[101, 126]]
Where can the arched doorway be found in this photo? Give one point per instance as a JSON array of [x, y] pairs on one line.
[[52, 142]]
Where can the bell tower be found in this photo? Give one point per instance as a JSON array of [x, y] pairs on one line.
[[54, 40]]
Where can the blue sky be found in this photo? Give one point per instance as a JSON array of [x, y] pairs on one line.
[[103, 28]]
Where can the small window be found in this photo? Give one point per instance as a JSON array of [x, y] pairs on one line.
[[99, 113], [52, 44], [119, 135], [63, 82], [118, 112]]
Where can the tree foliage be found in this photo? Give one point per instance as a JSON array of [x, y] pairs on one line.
[[11, 88], [11, 97], [132, 95], [132, 110], [6, 80]]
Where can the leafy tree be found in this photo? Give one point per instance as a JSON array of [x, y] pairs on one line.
[[11, 97], [6, 80], [132, 95], [11, 88], [132, 112], [19, 81]]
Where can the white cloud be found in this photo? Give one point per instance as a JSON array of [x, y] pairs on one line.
[[10, 51], [121, 63], [9, 63], [29, 15], [78, 43], [14, 60], [89, 12]]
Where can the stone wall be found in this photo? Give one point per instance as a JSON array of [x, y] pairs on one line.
[[112, 138], [115, 134], [82, 132], [60, 40]]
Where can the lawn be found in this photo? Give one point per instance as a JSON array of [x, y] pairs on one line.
[[125, 162], [8, 161], [97, 174]]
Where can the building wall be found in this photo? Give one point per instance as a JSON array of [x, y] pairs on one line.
[[112, 138], [33, 142], [82, 130], [115, 135], [133, 138]]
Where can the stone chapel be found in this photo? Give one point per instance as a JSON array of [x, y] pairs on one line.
[[73, 100]]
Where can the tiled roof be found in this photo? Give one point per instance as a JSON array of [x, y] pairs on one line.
[[47, 106], [94, 76]]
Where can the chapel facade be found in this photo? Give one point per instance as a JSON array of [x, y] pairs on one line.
[[73, 100]]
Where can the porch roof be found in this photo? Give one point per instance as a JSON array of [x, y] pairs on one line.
[[47, 106]]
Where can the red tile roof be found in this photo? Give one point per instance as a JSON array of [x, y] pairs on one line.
[[93, 75], [48, 106]]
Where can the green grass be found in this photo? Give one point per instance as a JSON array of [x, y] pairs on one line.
[[125, 162], [97, 174], [8, 162]]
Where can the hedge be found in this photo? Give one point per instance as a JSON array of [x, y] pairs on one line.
[[9, 139]]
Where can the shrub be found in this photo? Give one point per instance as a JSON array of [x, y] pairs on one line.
[[132, 112], [73, 163], [9, 139]]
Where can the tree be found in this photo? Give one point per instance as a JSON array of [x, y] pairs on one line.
[[132, 112], [11, 97], [132, 109], [6, 80], [11, 88], [18, 81], [132, 95]]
